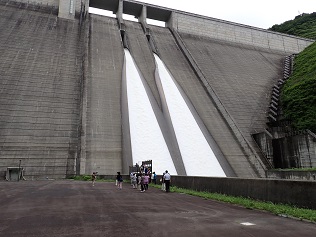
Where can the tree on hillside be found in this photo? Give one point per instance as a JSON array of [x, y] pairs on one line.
[[303, 25]]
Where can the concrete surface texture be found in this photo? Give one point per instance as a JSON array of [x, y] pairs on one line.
[[101, 136], [75, 208], [237, 33], [61, 88], [40, 84]]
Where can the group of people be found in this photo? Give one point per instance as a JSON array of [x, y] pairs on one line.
[[141, 180]]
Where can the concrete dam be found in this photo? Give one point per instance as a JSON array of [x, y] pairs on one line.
[[83, 93]]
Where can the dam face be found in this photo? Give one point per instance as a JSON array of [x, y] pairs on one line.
[[64, 107]]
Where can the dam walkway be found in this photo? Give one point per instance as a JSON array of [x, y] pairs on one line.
[[76, 208]]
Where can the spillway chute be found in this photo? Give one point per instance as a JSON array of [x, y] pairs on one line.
[[197, 154], [146, 138]]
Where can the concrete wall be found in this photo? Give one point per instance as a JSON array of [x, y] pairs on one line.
[[296, 151], [40, 68], [41, 2], [293, 175], [198, 25], [42, 59], [238, 77], [199, 97], [50, 3], [298, 193], [67, 9], [101, 138], [233, 32]]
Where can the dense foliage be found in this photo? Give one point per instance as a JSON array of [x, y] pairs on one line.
[[299, 92], [303, 25]]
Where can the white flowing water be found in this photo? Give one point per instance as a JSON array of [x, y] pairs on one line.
[[197, 155], [147, 140]]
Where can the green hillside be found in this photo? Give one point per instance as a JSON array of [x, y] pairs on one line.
[[303, 25], [298, 95], [299, 92]]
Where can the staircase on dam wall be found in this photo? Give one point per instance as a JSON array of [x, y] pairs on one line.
[[284, 146], [40, 68]]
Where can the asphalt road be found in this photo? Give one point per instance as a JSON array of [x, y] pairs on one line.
[[74, 208]]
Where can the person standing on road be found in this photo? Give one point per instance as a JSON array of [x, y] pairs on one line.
[[119, 180], [131, 177], [154, 178], [139, 180], [163, 186], [134, 181], [167, 178], [145, 181], [93, 177]]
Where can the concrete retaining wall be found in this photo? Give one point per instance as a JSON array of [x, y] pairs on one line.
[[298, 193], [297, 175]]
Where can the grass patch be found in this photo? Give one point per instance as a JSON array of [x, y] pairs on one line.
[[89, 178], [278, 209], [82, 178]]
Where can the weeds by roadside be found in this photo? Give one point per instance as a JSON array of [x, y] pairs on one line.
[[89, 178], [278, 209]]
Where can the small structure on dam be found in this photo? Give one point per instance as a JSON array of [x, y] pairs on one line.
[[83, 93]]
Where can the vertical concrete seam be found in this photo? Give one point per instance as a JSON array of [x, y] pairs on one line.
[[84, 93]]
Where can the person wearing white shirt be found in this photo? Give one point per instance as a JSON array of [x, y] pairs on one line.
[[167, 178]]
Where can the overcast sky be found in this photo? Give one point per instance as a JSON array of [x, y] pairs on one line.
[[262, 14]]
